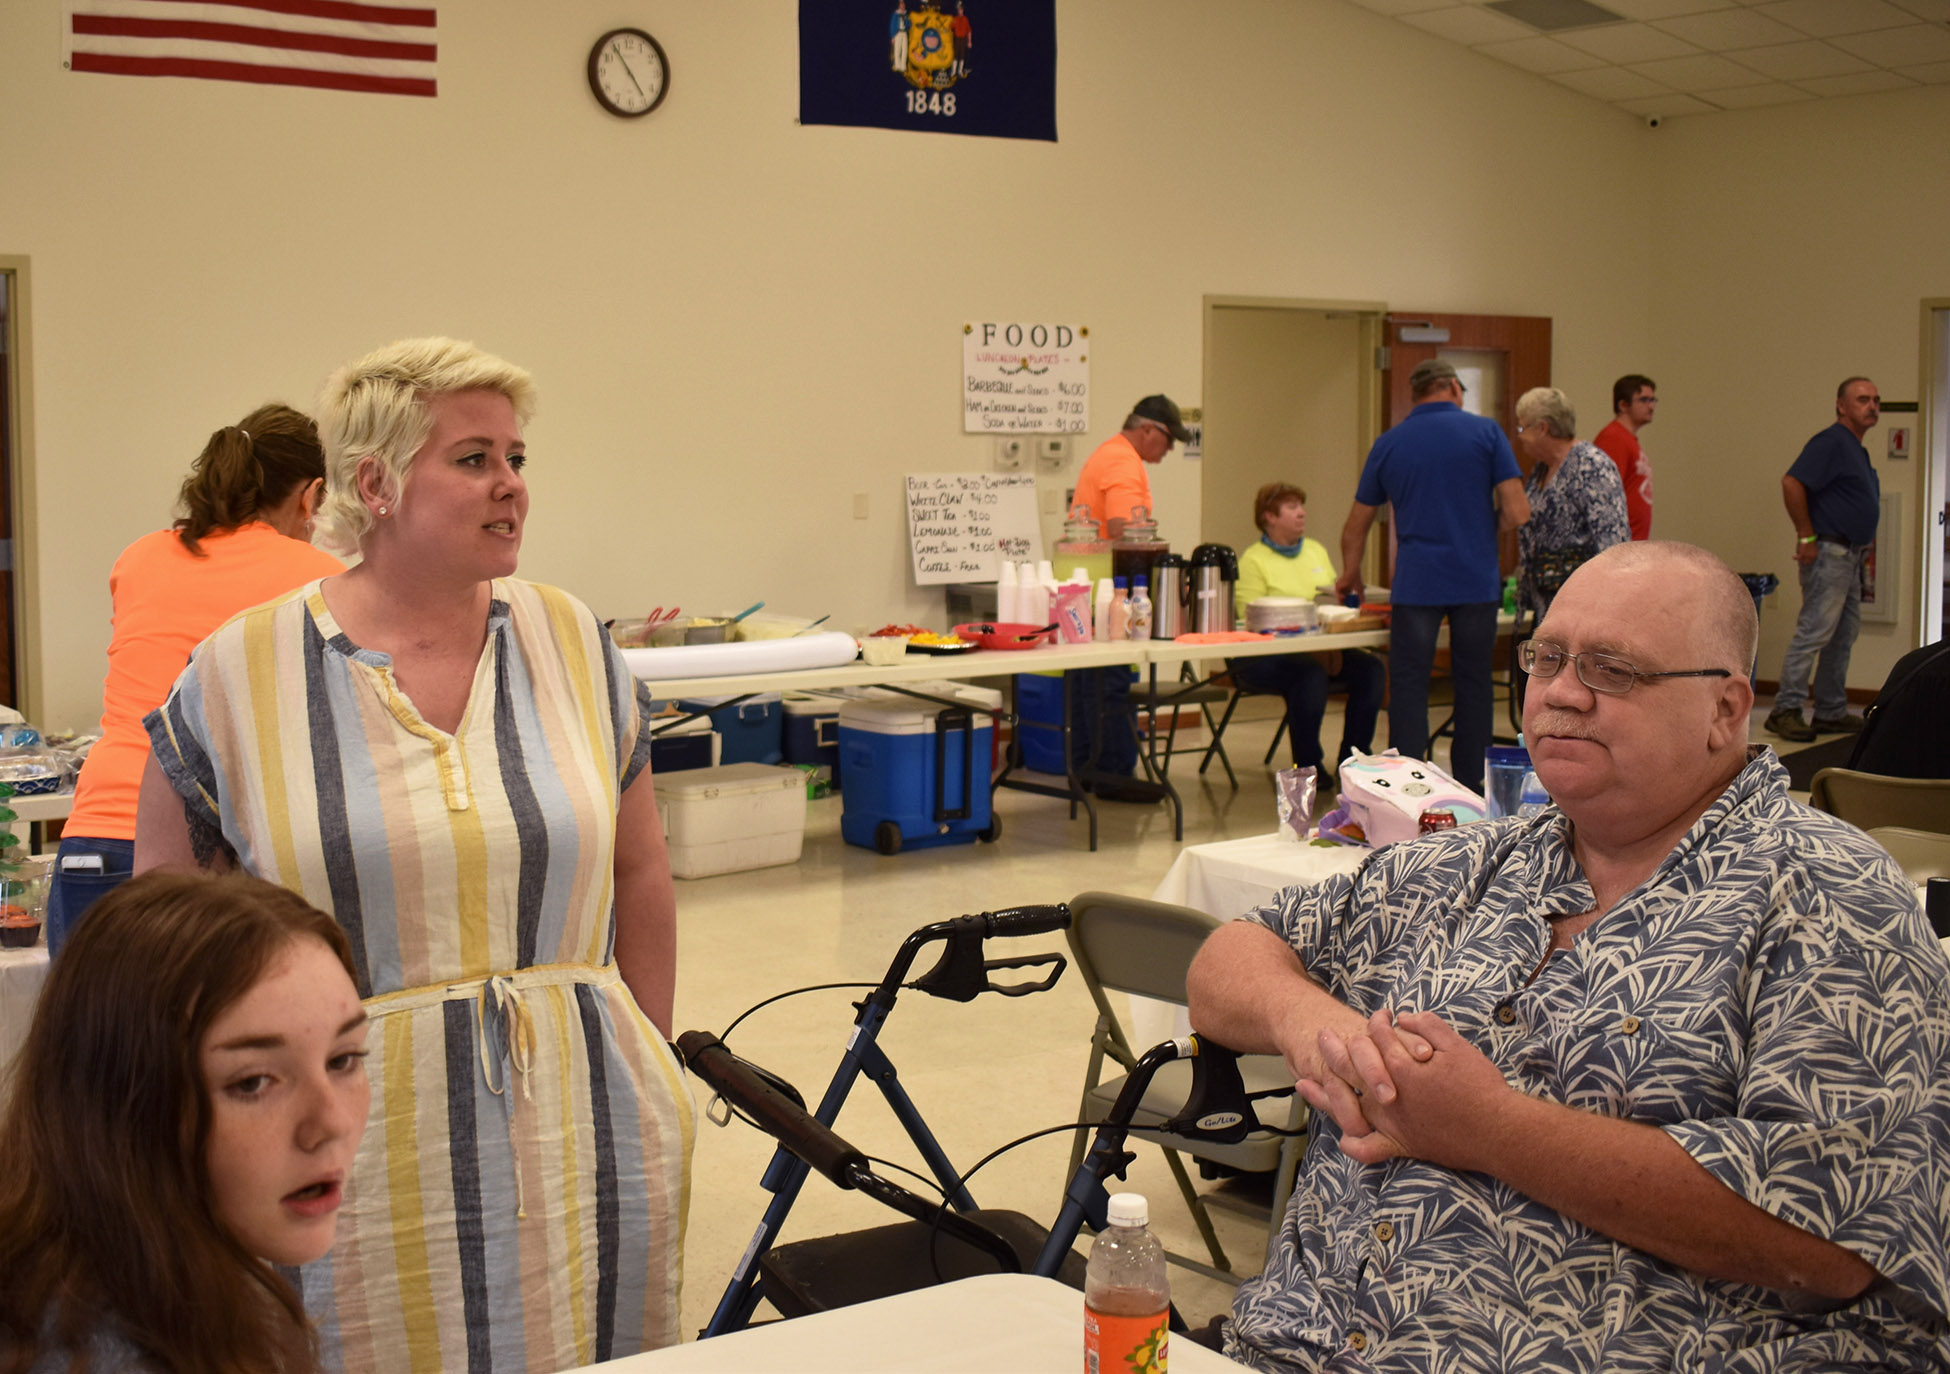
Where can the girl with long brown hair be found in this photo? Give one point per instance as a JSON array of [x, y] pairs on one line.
[[183, 1117]]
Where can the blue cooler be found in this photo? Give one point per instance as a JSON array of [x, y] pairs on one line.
[[812, 731], [916, 774], [753, 730], [1039, 698]]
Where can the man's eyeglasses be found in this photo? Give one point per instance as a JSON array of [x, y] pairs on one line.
[[1600, 672]]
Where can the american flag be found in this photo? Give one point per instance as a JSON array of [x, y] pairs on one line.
[[332, 44]]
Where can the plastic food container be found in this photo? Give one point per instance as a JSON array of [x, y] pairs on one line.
[[883, 651]]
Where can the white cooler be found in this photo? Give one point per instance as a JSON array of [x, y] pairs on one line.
[[729, 819]]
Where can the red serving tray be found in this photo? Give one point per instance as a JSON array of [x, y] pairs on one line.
[[1004, 635]]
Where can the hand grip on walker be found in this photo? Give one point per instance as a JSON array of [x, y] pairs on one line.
[[775, 1114], [1025, 920]]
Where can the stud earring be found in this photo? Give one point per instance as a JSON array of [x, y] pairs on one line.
[[382, 510]]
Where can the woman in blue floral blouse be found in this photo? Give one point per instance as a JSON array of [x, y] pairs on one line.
[[1577, 503]]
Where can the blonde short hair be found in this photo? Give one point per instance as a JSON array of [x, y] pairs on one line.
[[378, 408]]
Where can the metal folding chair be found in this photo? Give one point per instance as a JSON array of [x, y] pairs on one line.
[[1131, 945]]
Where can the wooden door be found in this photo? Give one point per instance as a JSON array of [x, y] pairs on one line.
[[1517, 349]]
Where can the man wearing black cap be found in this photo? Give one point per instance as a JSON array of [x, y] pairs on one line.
[[1113, 483], [1453, 483]]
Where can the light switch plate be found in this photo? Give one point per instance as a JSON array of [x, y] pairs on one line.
[[1010, 452]]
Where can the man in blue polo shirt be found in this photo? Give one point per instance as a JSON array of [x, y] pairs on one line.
[[1834, 498], [1454, 483]]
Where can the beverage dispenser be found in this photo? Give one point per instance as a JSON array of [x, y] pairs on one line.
[[1134, 551], [1168, 596], [1215, 569]]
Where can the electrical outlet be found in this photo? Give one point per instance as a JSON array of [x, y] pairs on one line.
[[1052, 451], [859, 505], [1010, 451]]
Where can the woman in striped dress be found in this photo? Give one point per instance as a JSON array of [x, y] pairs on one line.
[[452, 762]]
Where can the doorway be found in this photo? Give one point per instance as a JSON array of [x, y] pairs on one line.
[[1291, 394], [1933, 424], [14, 484], [1497, 358]]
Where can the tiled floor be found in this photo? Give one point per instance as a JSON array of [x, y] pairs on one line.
[[981, 1073]]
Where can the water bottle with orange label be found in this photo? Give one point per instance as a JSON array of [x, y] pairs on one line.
[[1126, 1294]]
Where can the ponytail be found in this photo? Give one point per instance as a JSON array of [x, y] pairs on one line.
[[246, 469]]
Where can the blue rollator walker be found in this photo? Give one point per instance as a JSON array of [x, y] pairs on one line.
[[952, 1238]]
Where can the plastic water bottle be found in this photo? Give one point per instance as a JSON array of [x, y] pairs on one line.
[[1532, 797], [1140, 622], [1126, 1294]]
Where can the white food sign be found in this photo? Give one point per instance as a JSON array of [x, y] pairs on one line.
[[1025, 378], [962, 524]]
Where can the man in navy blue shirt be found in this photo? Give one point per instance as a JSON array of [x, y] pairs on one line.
[[1834, 498], [1454, 483]]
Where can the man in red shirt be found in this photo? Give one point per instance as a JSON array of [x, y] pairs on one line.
[[1634, 400]]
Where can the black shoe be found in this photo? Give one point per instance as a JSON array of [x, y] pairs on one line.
[[1847, 725], [1789, 726], [1126, 790]]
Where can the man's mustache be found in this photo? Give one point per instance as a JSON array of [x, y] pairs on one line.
[[1559, 723]]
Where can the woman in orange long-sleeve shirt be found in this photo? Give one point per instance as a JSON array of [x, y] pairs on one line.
[[242, 540]]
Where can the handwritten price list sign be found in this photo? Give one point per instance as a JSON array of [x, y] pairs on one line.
[[961, 525], [1022, 378]]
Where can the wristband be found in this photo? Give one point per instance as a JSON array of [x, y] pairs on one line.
[[1807, 539]]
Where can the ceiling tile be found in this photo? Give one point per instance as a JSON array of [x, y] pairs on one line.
[[1729, 29], [1543, 55], [1665, 106], [1936, 11], [1904, 47], [1748, 97], [1829, 18], [1469, 24], [1862, 83], [1665, 9], [1628, 43], [1933, 73], [1698, 73], [1799, 61], [1611, 83]]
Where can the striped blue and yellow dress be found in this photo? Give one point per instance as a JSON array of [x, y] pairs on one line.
[[518, 1200]]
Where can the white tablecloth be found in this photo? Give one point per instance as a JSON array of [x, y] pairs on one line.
[[1232, 877], [997, 1322], [22, 971], [1227, 879]]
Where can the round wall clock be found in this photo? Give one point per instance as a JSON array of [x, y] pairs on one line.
[[628, 73]]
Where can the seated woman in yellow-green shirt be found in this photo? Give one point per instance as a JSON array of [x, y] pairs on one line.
[[1286, 563]]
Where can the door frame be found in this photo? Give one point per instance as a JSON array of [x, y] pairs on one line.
[[1933, 355], [1370, 316], [19, 420]]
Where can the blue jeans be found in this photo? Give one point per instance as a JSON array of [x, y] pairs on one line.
[[1831, 613], [71, 893], [1304, 681], [1411, 657]]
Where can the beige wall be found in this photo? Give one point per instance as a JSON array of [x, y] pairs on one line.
[[1802, 240], [737, 323]]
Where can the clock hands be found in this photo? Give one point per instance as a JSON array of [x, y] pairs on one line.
[[618, 50]]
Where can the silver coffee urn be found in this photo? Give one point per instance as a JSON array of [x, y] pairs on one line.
[[1215, 568]]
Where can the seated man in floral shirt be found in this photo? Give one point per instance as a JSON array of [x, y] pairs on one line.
[[1658, 1079]]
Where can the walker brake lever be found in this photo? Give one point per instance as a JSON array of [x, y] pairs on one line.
[[961, 975]]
